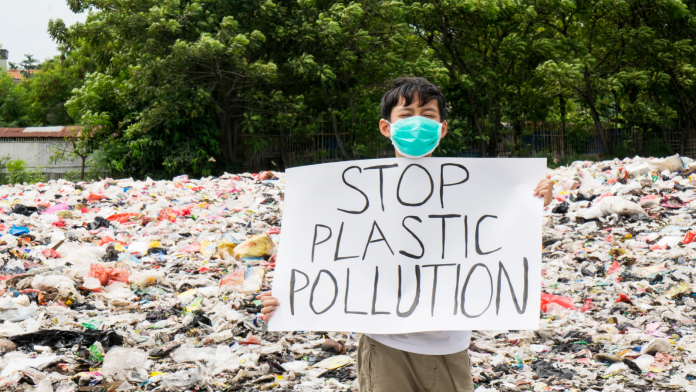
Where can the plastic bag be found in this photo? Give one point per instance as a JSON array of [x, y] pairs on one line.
[[611, 205], [123, 218], [126, 364], [193, 354], [56, 208], [107, 276], [98, 223], [248, 280], [547, 299], [258, 245], [18, 231]]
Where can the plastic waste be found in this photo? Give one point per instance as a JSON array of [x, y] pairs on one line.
[[108, 276], [126, 364], [564, 302], [18, 231], [256, 246], [200, 298], [611, 205], [248, 280]]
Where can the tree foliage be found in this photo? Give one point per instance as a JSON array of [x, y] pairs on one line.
[[172, 86]]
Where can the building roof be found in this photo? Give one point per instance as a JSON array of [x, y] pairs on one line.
[[16, 74], [58, 132]]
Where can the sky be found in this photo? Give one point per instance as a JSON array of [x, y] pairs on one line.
[[24, 26]]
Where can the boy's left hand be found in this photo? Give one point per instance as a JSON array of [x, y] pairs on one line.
[[545, 189]]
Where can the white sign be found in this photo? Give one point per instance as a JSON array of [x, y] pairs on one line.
[[406, 245]]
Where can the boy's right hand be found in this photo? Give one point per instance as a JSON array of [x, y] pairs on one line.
[[270, 304]]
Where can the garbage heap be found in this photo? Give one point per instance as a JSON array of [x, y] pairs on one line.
[[149, 285]]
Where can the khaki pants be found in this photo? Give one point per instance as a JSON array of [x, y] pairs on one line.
[[385, 369]]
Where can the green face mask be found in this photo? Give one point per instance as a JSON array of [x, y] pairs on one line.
[[415, 137]]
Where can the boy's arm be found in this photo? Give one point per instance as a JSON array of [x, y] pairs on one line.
[[545, 189]]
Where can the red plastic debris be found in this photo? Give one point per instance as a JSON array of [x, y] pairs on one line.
[[50, 253], [250, 340], [624, 298], [105, 240], [108, 276], [122, 218], [193, 248], [96, 196], [166, 214], [565, 302], [689, 237], [615, 268], [587, 306]]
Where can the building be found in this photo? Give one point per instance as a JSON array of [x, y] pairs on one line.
[[4, 55], [35, 145]]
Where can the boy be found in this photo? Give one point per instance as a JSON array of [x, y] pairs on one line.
[[413, 115]]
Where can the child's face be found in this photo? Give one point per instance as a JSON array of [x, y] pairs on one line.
[[399, 112]]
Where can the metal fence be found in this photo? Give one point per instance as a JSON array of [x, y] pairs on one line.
[[557, 139], [279, 152]]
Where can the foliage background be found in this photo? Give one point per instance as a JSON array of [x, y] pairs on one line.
[[177, 86]]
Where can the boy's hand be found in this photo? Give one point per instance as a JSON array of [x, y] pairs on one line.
[[545, 189], [270, 304]]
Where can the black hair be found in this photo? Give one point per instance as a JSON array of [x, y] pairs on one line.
[[409, 88]]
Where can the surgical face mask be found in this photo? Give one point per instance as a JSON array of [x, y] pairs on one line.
[[416, 136]]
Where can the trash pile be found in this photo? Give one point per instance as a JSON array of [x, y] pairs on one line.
[[149, 285], [122, 284]]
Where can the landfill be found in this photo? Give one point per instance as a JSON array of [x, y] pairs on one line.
[[118, 285]]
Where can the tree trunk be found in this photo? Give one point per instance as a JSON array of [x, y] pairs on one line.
[[493, 142], [232, 141], [600, 130], [562, 107], [82, 168], [477, 123], [665, 137], [686, 132], [334, 123], [590, 99], [224, 138], [337, 135]]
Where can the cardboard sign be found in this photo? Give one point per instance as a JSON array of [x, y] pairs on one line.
[[407, 245]]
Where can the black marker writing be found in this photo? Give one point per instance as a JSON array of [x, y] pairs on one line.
[[416, 299], [374, 294], [442, 180], [314, 286], [476, 235], [466, 238], [381, 179], [370, 240], [345, 301], [432, 301], [466, 284], [403, 223], [443, 217], [456, 290], [338, 246], [314, 242], [292, 289], [367, 201], [501, 270], [398, 187]]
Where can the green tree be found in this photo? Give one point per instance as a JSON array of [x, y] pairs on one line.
[[488, 48]]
